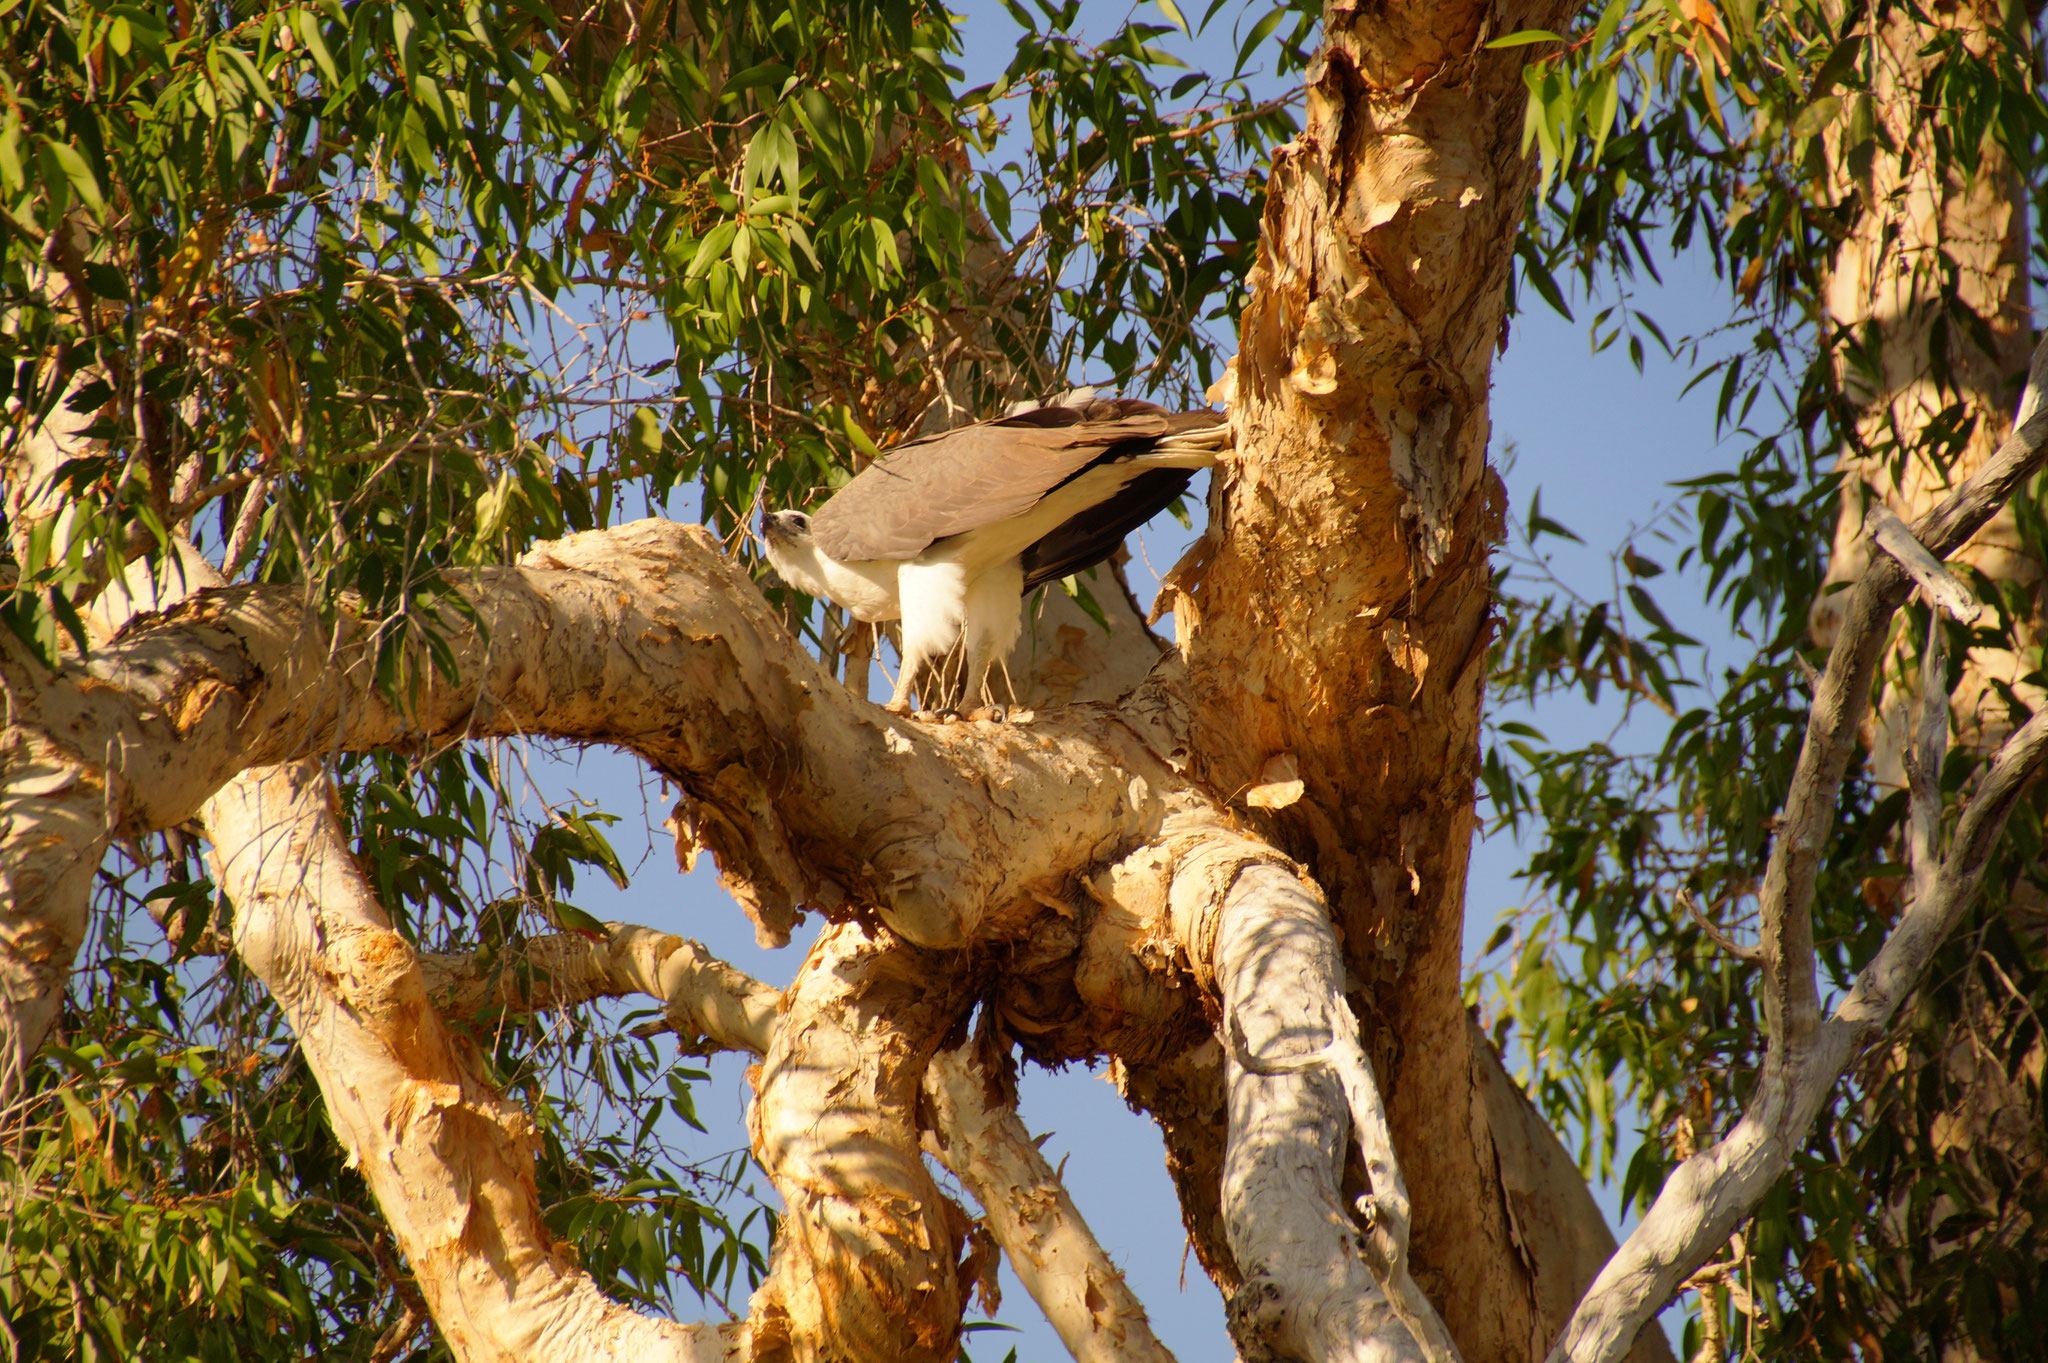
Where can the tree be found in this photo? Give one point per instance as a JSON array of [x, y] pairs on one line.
[[1867, 199], [322, 425]]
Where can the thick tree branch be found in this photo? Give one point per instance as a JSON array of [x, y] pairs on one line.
[[867, 1254], [644, 636], [1315, 1286], [448, 1159], [1712, 1192], [647, 637]]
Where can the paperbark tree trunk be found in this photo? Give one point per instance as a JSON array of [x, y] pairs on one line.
[[1336, 622]]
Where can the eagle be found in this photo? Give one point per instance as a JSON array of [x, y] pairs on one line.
[[949, 531]]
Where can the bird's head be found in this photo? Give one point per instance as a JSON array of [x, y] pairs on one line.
[[785, 528], [787, 535]]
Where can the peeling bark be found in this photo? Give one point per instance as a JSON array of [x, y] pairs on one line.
[[449, 1160], [1336, 623]]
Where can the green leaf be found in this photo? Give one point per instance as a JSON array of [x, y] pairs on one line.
[[575, 920], [68, 163], [1075, 588], [643, 433], [1261, 31], [858, 435], [307, 24], [1815, 117], [1524, 37]]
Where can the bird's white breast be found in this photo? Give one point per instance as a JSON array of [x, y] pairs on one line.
[[868, 590]]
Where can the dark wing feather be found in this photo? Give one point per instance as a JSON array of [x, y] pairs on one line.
[[1092, 536], [958, 481]]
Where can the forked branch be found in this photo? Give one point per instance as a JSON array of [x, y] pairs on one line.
[[1715, 1190]]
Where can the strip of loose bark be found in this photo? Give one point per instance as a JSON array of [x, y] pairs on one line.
[[1034, 1219], [1713, 1191], [449, 1160]]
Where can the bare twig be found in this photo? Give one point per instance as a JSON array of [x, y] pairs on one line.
[[1714, 934]]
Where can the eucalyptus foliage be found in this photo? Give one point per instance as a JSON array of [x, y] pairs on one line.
[[1748, 132]]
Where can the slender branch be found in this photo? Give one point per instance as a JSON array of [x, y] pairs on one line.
[[1032, 1216], [1928, 920], [1791, 990], [707, 1000], [1209, 125], [1923, 757], [1941, 586], [1713, 931], [1713, 1191]]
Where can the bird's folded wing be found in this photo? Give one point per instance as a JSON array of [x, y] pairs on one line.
[[961, 480]]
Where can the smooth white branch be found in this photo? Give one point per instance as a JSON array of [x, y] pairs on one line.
[[1316, 1287], [1711, 1193]]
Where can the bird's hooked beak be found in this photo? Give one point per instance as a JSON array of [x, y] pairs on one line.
[[785, 527]]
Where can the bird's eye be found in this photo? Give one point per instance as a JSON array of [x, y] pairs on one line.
[[799, 520]]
